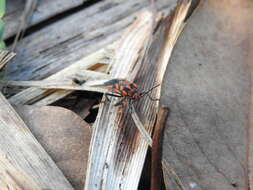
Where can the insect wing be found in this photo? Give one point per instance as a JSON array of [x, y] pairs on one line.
[[121, 86], [111, 83]]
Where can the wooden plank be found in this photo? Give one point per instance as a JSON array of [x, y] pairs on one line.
[[118, 150], [61, 44], [24, 160], [45, 10]]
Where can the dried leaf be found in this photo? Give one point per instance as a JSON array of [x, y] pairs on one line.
[[64, 135]]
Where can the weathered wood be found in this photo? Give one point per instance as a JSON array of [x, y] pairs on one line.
[[45, 97], [24, 161], [83, 76], [64, 135], [5, 57], [207, 88], [24, 20], [104, 136], [117, 150], [59, 45], [13, 177], [45, 10]]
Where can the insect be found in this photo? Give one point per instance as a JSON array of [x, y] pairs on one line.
[[126, 90]]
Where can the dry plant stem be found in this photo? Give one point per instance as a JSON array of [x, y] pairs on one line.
[[156, 168], [118, 150], [166, 182], [166, 168], [23, 157], [108, 161], [50, 9], [29, 9], [84, 36], [5, 57], [39, 96], [65, 85]]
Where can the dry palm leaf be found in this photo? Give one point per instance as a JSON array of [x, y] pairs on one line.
[[117, 150], [5, 57]]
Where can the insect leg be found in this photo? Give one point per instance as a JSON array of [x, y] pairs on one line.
[[107, 97], [120, 102], [151, 98], [114, 95]]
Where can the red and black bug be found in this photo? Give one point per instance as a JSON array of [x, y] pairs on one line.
[[126, 90]]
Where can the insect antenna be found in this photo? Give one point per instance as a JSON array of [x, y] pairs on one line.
[[147, 92]]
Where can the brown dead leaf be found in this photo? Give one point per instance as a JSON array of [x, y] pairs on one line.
[[64, 135], [207, 88], [81, 106]]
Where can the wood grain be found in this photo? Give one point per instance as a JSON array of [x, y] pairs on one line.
[[44, 97], [45, 10], [119, 23], [5, 57], [74, 37], [70, 84], [64, 135], [13, 177], [118, 150], [25, 163], [104, 145]]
